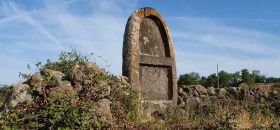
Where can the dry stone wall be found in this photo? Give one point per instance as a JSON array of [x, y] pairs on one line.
[[195, 96]]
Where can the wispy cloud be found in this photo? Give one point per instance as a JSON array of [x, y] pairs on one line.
[[31, 35], [57, 26], [36, 25], [201, 44]]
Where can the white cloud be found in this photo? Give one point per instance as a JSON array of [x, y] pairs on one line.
[[200, 45], [57, 26]]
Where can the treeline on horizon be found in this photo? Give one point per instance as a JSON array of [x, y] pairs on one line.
[[227, 79]]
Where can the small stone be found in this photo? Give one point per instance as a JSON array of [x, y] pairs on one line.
[[37, 77], [181, 102], [222, 92], [274, 92], [250, 98], [76, 75], [103, 110], [265, 94], [64, 90], [37, 82], [193, 103], [184, 95], [51, 73], [55, 77], [94, 69], [211, 91], [180, 91]]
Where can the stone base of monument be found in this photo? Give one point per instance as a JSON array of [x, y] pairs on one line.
[[154, 110]]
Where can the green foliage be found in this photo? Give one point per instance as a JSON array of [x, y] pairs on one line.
[[224, 78], [67, 60], [4, 91], [203, 81], [227, 79], [56, 114], [247, 77], [189, 79], [211, 80], [71, 112], [80, 111]]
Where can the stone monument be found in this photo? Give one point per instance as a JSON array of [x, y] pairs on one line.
[[148, 58]]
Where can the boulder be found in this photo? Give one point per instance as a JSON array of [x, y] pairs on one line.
[[184, 95], [76, 74], [258, 95], [265, 94], [37, 78], [275, 93], [193, 103], [211, 91], [180, 91], [250, 98], [103, 110], [192, 91], [222, 92], [232, 90], [54, 76], [64, 90], [200, 89], [181, 102], [184, 87], [37, 82], [18, 95], [94, 69]]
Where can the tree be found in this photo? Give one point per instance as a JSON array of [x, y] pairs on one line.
[[203, 81], [211, 80], [259, 78], [189, 79], [247, 77], [224, 79], [272, 80], [235, 79]]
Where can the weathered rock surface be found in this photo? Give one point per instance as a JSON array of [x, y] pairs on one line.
[[76, 74], [55, 76], [194, 96], [63, 90], [19, 95], [193, 102], [104, 111], [201, 90], [37, 81], [222, 92], [211, 91]]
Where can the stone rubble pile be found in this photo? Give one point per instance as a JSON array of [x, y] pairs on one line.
[[195, 96], [78, 83]]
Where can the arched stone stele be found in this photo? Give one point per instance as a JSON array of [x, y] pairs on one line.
[[148, 57]]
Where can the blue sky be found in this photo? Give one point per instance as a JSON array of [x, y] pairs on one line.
[[236, 34]]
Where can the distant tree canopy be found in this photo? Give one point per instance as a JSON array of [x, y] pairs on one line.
[[188, 79], [226, 79]]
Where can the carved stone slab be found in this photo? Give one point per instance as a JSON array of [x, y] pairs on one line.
[[148, 57]]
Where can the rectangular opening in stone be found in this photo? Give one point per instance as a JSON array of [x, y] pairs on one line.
[[155, 82]]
